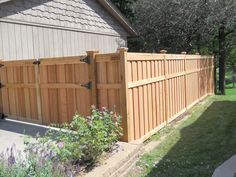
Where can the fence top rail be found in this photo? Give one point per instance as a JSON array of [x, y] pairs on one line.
[[152, 56], [107, 57], [144, 56], [17, 62], [45, 61], [63, 60]]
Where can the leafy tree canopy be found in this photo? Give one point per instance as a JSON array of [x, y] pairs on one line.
[[126, 7]]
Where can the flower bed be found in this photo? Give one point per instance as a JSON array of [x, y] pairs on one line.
[[67, 151]]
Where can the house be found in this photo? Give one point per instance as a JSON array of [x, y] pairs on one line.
[[32, 29]]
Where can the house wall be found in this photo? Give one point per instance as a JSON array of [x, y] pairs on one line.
[[55, 28]]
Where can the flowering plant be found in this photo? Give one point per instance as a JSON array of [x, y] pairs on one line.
[[80, 143]]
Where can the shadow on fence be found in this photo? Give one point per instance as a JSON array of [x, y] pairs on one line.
[[203, 145]]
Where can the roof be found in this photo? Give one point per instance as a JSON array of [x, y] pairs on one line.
[[115, 13], [111, 8]]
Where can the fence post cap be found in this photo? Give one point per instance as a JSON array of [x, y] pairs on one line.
[[92, 51], [123, 49], [197, 53], [184, 53], [163, 51]]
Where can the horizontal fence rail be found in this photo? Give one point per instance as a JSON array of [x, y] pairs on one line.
[[148, 90], [162, 86]]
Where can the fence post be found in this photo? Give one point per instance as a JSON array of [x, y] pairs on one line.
[[165, 87], [214, 75], [124, 95], [199, 77], [93, 75], [1, 103], [185, 79], [37, 85]]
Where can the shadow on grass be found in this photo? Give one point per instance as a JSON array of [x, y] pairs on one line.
[[230, 87], [203, 145]]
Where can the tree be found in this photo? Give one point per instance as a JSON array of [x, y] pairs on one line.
[[222, 16], [171, 24], [126, 7], [187, 25]]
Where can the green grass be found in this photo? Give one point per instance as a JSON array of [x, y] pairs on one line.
[[230, 90], [197, 145]]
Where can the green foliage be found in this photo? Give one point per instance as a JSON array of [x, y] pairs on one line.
[[84, 139], [30, 165], [183, 25], [126, 7], [64, 152], [232, 58]]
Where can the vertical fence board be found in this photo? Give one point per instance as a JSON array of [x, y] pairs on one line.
[[148, 90]]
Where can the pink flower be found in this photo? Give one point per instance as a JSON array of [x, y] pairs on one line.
[[103, 108], [60, 144]]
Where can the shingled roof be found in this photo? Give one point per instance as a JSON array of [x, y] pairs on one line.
[[112, 10]]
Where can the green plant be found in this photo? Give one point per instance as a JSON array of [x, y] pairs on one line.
[[84, 140], [29, 165]]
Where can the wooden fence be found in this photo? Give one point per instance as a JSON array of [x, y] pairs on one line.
[[148, 90]]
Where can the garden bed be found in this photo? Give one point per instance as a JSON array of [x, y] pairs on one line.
[[70, 150]]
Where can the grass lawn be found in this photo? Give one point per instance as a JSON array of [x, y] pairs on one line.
[[230, 90], [197, 145]]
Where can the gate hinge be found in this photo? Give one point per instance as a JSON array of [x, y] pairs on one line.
[[87, 85], [1, 85], [85, 59], [3, 116], [37, 62], [1, 65]]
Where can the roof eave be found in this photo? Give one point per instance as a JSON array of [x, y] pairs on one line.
[[107, 4]]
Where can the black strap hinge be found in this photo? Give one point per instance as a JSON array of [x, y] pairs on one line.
[[3, 116], [36, 62], [1, 65], [1, 85], [85, 59], [87, 85]]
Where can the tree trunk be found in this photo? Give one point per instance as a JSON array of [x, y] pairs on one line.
[[198, 43], [189, 45], [215, 65], [222, 59]]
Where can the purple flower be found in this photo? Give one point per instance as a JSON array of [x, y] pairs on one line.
[[78, 167], [50, 154], [11, 159], [60, 144]]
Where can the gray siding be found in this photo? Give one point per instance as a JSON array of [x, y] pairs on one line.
[[79, 14], [55, 28], [28, 42]]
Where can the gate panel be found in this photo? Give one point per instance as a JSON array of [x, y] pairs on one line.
[[63, 89], [19, 91]]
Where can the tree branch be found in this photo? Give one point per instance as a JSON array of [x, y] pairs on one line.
[[229, 32]]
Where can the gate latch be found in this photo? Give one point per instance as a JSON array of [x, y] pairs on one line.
[[87, 85]]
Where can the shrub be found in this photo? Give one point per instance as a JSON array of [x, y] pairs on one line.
[[84, 140]]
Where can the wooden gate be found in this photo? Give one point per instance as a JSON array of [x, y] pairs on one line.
[[46, 91], [18, 85]]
